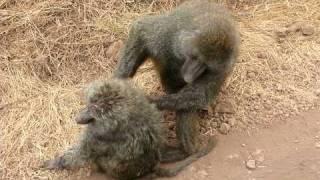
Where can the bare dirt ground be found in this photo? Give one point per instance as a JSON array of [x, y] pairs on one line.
[[50, 50], [286, 151]]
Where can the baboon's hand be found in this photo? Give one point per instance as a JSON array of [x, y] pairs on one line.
[[56, 163]]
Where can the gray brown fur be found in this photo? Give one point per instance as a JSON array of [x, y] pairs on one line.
[[194, 48], [123, 136]]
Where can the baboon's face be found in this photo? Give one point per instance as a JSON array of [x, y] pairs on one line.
[[99, 119], [102, 113], [106, 107], [84, 117], [202, 52], [194, 65]]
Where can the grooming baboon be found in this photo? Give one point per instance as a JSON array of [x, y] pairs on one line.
[[124, 135], [194, 48]]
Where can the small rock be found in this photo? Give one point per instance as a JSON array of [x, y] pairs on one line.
[[214, 124], [225, 107], [210, 110], [224, 128], [224, 119], [243, 145], [317, 145], [232, 122], [280, 40], [251, 75], [295, 27], [307, 30], [251, 164], [317, 92], [281, 33], [261, 55]]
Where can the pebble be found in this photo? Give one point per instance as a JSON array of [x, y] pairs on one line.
[[317, 145], [225, 107], [224, 128], [251, 75], [214, 124], [261, 55], [232, 122], [281, 32], [307, 30], [251, 164], [295, 27]]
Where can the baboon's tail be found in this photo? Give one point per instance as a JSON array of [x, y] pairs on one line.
[[173, 171]]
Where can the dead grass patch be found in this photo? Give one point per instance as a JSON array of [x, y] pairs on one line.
[[50, 49]]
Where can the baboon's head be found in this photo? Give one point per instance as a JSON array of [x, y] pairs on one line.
[[106, 106], [207, 49]]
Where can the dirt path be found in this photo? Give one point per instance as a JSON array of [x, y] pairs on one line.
[[286, 151]]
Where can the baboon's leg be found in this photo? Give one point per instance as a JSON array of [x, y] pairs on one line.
[[76, 156], [188, 131], [172, 171]]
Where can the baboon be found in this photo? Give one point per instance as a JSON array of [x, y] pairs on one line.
[[124, 136], [194, 48]]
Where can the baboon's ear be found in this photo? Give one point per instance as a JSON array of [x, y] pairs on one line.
[[84, 117]]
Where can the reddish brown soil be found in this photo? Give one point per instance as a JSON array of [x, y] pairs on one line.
[[285, 151]]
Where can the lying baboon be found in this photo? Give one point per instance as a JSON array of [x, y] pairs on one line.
[[124, 136], [194, 48]]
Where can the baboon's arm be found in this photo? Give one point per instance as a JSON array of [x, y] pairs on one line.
[[74, 157], [132, 55], [193, 96]]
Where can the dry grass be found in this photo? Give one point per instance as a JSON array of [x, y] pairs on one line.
[[50, 49]]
